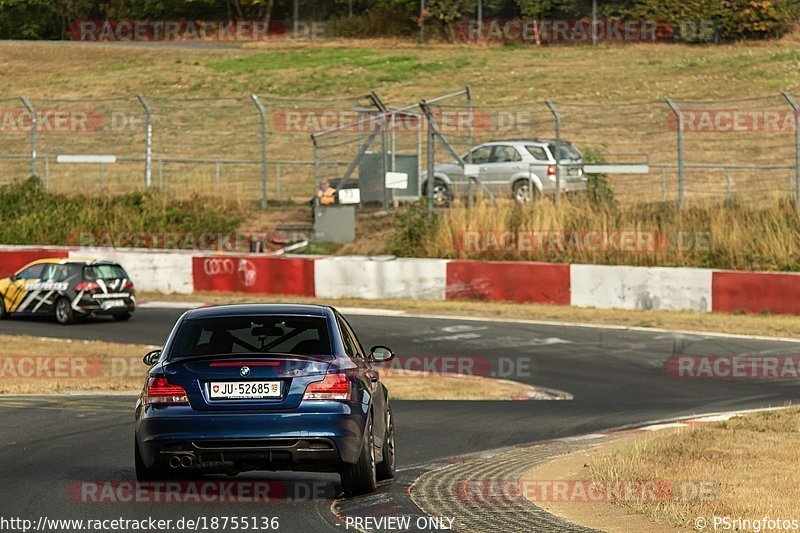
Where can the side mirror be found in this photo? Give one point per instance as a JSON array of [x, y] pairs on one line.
[[13, 277], [151, 358], [380, 354]]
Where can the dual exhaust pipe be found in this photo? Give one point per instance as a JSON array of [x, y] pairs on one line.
[[181, 461]]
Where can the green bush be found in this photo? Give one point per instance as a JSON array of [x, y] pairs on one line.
[[29, 215], [413, 229], [705, 20]]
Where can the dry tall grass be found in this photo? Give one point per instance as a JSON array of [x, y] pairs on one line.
[[710, 235], [751, 460]]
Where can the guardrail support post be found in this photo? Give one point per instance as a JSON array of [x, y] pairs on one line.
[[263, 131], [679, 115], [148, 150], [557, 117], [796, 110], [32, 112]]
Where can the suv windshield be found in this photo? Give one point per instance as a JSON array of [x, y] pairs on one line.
[[567, 151], [252, 334]]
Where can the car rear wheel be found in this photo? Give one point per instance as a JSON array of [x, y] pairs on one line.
[[64, 312], [360, 478], [3, 313], [142, 472], [385, 469], [524, 191], [122, 317]]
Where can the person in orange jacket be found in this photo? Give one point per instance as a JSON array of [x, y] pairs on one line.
[[326, 194]]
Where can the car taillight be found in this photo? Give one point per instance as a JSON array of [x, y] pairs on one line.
[[160, 391], [333, 387], [551, 170], [87, 286], [128, 284]]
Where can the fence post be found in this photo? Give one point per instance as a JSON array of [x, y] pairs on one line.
[[557, 117], [422, 21], [32, 111], [148, 150], [278, 180], [431, 156], [679, 115], [384, 162], [728, 191], [262, 112], [317, 173], [796, 110]]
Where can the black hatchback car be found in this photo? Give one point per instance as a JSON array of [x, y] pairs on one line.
[[68, 289]]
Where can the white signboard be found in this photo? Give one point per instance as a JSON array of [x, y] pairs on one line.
[[349, 196], [616, 168], [86, 158], [396, 180]]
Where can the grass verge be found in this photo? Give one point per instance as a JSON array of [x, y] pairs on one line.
[[738, 324], [34, 365], [751, 458]]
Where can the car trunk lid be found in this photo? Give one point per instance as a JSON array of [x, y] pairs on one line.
[[269, 381]]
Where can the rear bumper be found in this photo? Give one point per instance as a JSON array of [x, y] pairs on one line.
[[317, 436], [94, 307]]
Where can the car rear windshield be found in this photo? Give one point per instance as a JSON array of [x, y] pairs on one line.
[[567, 151], [300, 335], [103, 272]]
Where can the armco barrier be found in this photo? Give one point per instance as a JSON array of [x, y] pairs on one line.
[[623, 287], [380, 277], [600, 286], [756, 292], [509, 281], [254, 274], [167, 272], [12, 260]]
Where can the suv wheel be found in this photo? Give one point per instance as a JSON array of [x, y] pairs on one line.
[[441, 193], [524, 191], [3, 313]]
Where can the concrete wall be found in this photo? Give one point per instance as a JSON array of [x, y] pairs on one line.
[[622, 287], [380, 277]]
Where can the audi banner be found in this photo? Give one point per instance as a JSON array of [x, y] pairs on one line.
[[260, 275]]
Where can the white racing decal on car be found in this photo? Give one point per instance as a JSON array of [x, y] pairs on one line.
[[47, 286], [34, 289]]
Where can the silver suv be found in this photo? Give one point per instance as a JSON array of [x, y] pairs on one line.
[[522, 169]]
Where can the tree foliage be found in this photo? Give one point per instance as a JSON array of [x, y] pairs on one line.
[[732, 19]]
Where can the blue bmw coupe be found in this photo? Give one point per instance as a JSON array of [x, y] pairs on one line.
[[265, 387]]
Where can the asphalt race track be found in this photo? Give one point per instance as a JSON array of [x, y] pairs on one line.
[[617, 377]]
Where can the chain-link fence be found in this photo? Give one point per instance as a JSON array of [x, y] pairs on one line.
[[257, 149]]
